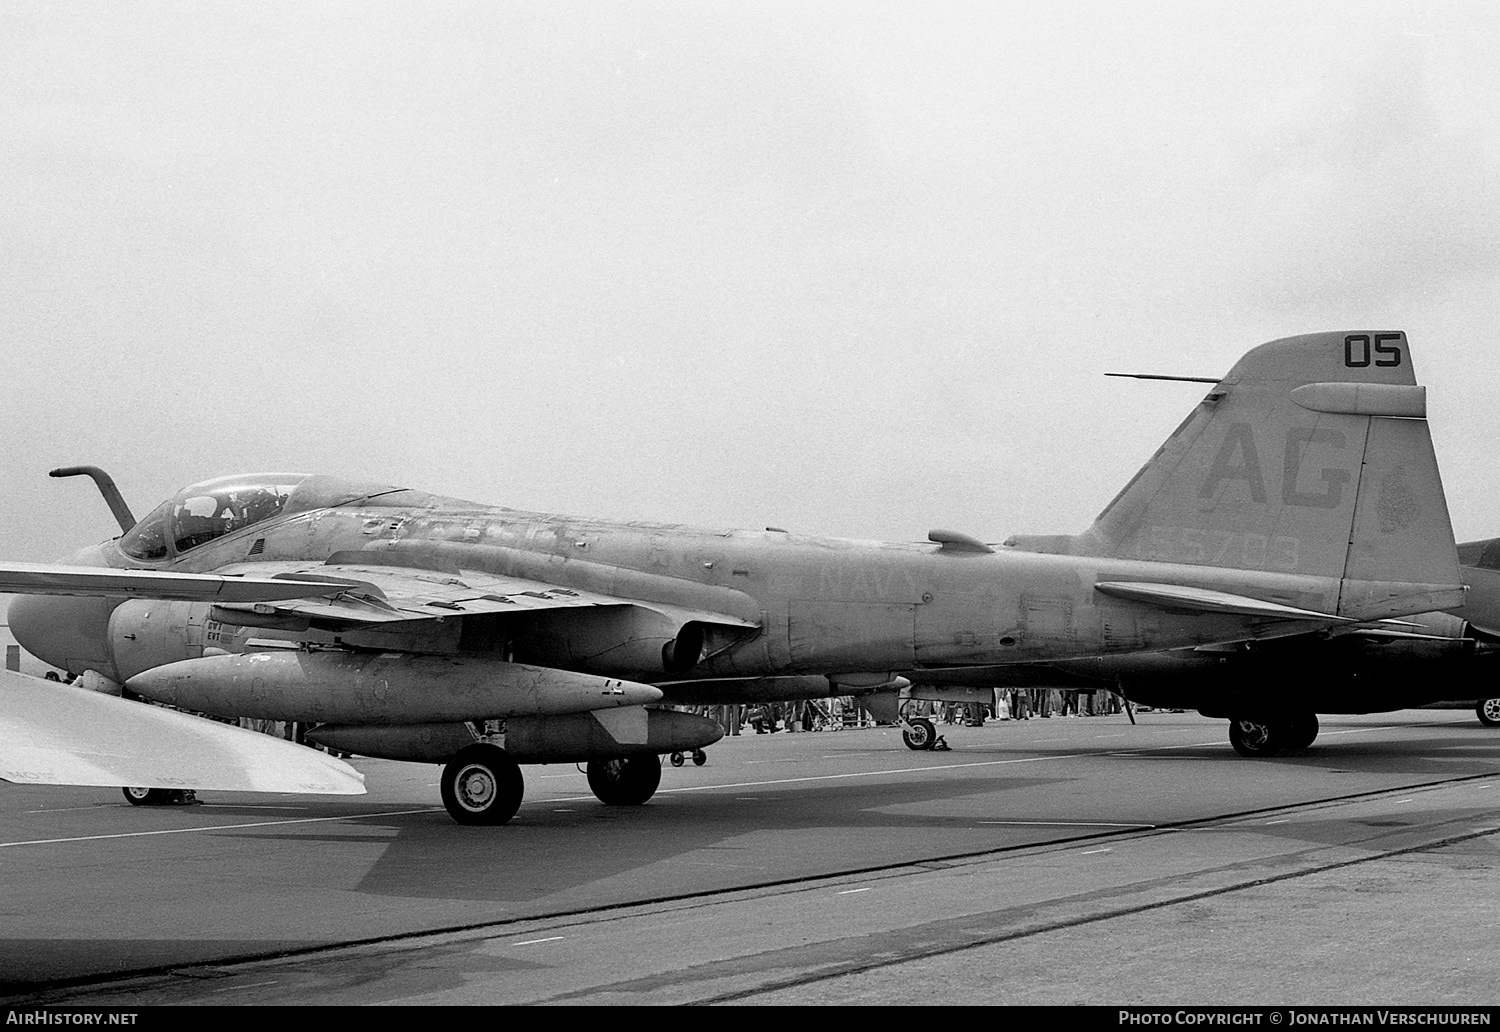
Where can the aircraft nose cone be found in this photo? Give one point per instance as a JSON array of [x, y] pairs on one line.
[[66, 632]]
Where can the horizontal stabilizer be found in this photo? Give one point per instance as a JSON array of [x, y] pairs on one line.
[[1388, 634], [54, 579], [56, 734], [1204, 600]]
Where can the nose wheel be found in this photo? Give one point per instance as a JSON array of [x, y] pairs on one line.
[[699, 758]]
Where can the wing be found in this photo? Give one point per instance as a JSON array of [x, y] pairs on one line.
[[370, 593], [56, 734], [55, 579]]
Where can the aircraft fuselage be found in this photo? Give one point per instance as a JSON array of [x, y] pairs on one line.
[[822, 605]]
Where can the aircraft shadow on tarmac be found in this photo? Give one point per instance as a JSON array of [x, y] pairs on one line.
[[575, 854], [591, 853]]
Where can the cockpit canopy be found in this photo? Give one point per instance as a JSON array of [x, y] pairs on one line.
[[209, 510]]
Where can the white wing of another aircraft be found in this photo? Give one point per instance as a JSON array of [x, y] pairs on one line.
[[56, 734]]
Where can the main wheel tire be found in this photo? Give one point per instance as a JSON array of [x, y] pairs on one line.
[[1488, 712], [921, 735], [148, 796], [1302, 731], [625, 780], [1255, 737], [482, 785]]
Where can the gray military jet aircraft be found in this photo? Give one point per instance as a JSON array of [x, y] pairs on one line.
[[1301, 494]]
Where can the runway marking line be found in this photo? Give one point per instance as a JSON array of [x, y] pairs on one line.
[[533, 942], [219, 827], [1092, 852], [66, 809], [247, 985], [1067, 824]]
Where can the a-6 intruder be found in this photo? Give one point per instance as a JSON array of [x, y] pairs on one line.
[[1301, 494]]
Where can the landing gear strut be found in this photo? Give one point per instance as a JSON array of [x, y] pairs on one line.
[[626, 780], [482, 785]]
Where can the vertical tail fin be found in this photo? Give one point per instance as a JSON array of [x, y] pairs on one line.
[[1313, 456]]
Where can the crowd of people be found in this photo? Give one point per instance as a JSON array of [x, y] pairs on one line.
[[845, 712]]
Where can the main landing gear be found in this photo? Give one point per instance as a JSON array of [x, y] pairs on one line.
[[1488, 712], [482, 785], [626, 780], [1262, 736], [699, 758]]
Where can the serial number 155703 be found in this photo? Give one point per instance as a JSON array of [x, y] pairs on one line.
[[1221, 548]]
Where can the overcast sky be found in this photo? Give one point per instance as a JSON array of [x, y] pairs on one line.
[[847, 268]]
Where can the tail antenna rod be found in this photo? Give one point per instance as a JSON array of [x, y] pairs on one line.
[[1157, 376], [107, 488]]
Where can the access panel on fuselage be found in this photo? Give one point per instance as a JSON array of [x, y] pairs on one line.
[[851, 636]]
